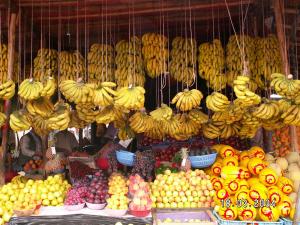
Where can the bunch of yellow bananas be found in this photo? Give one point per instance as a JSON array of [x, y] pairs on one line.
[[75, 121], [198, 116], [187, 99], [268, 59], [130, 98], [183, 60], [77, 92], [71, 64], [49, 87], [155, 131], [4, 64], [155, 53], [217, 102], [285, 104], [2, 119], [109, 114], [40, 125], [234, 59], [273, 123], [104, 94], [101, 63], [292, 115], [129, 61], [171, 127], [164, 112], [242, 92], [211, 64], [41, 106], [7, 90], [229, 130], [125, 132], [45, 64], [19, 121], [250, 124], [267, 110], [140, 122], [285, 86], [211, 130], [188, 127], [30, 89], [60, 118], [232, 114], [231, 76], [87, 112]]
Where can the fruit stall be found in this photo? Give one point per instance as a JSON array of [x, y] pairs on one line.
[[137, 112]]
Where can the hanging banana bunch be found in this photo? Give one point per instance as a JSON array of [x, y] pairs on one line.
[[140, 122], [30, 89], [217, 102], [285, 86], [211, 130], [104, 94], [87, 112], [250, 125], [183, 60], [267, 110], [155, 54], [129, 62], [4, 64], [101, 64], [71, 64], [292, 115], [45, 64], [268, 59], [20, 121], [75, 121], [40, 125], [60, 118], [155, 130], [234, 63], [110, 113], [7, 90], [42, 107], [2, 119], [130, 98], [211, 64], [162, 113], [187, 99], [198, 116]]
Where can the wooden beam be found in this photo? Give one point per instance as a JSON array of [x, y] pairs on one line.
[[150, 10], [7, 104]]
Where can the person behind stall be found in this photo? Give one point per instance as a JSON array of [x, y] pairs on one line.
[[30, 146], [65, 142]]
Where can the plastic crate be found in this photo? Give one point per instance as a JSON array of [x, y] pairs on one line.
[[203, 161], [288, 222], [237, 222]]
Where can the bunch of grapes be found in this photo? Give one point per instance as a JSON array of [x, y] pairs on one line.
[[112, 161], [144, 164]]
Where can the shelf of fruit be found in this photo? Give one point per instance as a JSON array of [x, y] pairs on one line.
[[249, 185]]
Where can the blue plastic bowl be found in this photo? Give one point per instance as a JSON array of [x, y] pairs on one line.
[[203, 161], [125, 158]]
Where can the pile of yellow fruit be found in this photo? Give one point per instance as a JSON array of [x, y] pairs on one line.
[[247, 189], [22, 194], [118, 190], [191, 189]]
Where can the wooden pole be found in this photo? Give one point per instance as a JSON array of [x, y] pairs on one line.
[[279, 16], [7, 104]]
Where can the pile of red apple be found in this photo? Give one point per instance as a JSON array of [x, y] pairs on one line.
[[76, 196], [165, 154], [139, 192], [98, 189]]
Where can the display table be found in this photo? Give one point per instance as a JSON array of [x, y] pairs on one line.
[[58, 215]]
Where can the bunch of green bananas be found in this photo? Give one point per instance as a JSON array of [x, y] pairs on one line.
[[71, 64], [187, 99], [87, 112], [60, 118], [234, 60], [211, 64], [45, 64], [77, 92], [183, 60], [198, 116], [130, 98], [241, 89], [101, 64], [20, 121], [129, 61], [164, 112], [268, 59], [30, 89], [7, 90], [4, 64], [285, 86], [155, 54], [217, 102], [76, 121]]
